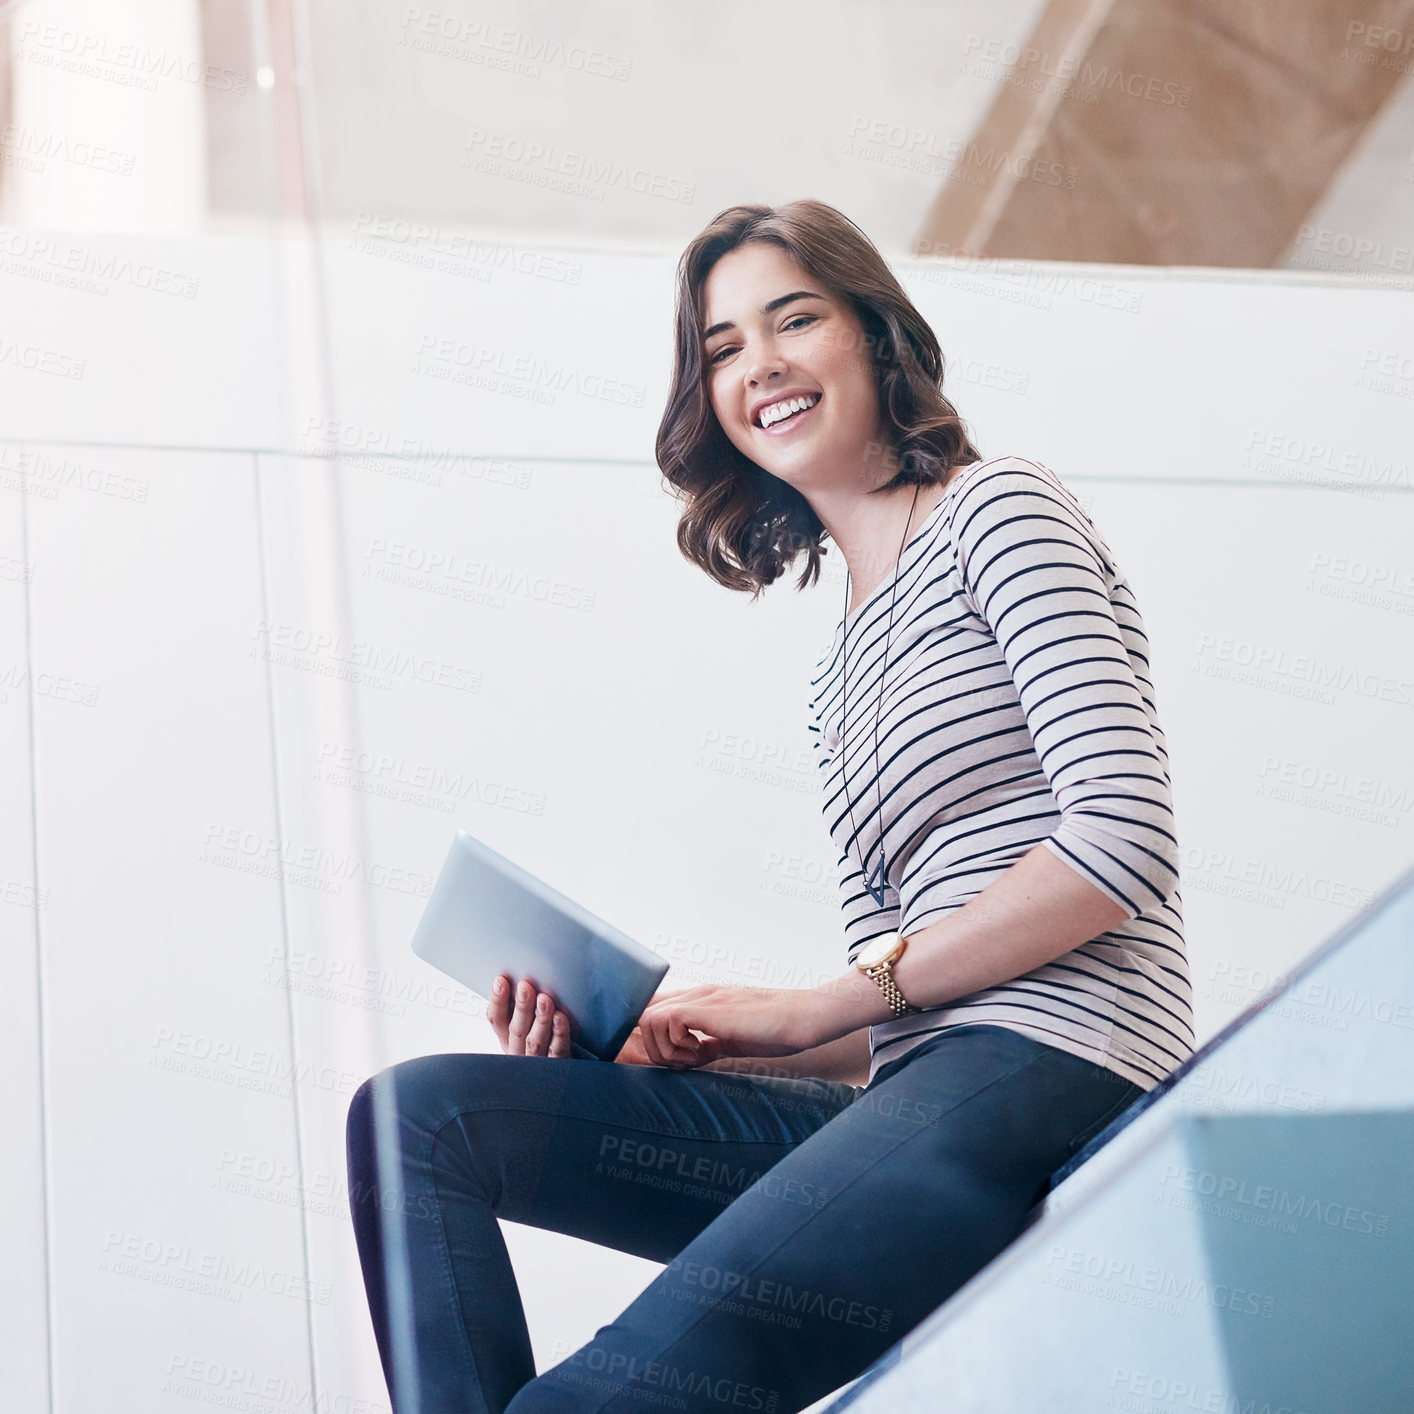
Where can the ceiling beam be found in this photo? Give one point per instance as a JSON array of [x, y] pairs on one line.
[[1170, 132]]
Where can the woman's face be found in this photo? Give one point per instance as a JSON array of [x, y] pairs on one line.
[[772, 331]]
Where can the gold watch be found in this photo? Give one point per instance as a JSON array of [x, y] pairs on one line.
[[876, 959]]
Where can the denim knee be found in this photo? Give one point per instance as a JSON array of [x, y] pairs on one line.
[[420, 1093]]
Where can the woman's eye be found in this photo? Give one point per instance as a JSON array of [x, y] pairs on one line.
[[730, 348]]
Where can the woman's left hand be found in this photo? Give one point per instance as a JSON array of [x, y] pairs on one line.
[[732, 1021]]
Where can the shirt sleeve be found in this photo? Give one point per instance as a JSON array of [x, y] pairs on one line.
[[1035, 571]]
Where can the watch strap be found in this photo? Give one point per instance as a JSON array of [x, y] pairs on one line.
[[883, 975]]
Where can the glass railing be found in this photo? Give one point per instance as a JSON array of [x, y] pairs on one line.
[[1240, 1240]]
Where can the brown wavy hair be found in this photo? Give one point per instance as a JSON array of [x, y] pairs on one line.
[[741, 524]]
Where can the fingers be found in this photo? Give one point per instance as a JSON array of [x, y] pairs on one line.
[[681, 1038], [650, 1044], [530, 1022], [527, 1022], [666, 1035], [667, 1039], [537, 1039], [560, 1036], [498, 1008]]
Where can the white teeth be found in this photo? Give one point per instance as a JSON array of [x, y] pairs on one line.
[[777, 411]]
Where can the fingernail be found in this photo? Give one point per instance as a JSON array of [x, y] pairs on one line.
[[498, 986], [544, 1003], [559, 1022]]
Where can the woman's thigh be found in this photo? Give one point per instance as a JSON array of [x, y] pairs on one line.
[[639, 1158], [855, 1235]]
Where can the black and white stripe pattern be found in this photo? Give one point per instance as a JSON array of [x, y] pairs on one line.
[[1018, 710]]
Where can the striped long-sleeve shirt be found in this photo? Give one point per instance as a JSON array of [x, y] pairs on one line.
[[1018, 711]]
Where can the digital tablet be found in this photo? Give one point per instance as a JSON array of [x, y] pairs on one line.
[[487, 915]]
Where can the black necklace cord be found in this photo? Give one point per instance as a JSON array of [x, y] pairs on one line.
[[844, 707]]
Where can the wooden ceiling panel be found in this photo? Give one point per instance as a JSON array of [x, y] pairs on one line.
[[1171, 132]]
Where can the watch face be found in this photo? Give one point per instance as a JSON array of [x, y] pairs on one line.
[[876, 950]]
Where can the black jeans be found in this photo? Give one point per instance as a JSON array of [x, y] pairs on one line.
[[806, 1225]]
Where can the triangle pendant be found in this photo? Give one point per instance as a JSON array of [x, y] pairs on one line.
[[875, 882]]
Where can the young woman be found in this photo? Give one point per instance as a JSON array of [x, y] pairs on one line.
[[818, 1169]]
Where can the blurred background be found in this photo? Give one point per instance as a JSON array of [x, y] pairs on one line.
[[333, 342]]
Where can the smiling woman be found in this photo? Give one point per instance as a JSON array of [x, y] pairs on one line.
[[1016, 970]]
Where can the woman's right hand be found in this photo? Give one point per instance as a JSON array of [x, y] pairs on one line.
[[634, 1052], [527, 1022]]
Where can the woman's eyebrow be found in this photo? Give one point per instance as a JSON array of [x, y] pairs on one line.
[[770, 307]]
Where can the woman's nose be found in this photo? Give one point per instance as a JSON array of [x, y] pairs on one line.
[[765, 366]]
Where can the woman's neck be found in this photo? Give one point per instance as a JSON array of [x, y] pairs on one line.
[[872, 539]]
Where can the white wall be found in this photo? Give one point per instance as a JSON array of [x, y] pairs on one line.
[[105, 115], [647, 754]]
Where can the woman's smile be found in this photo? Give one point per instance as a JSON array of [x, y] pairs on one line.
[[776, 421]]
